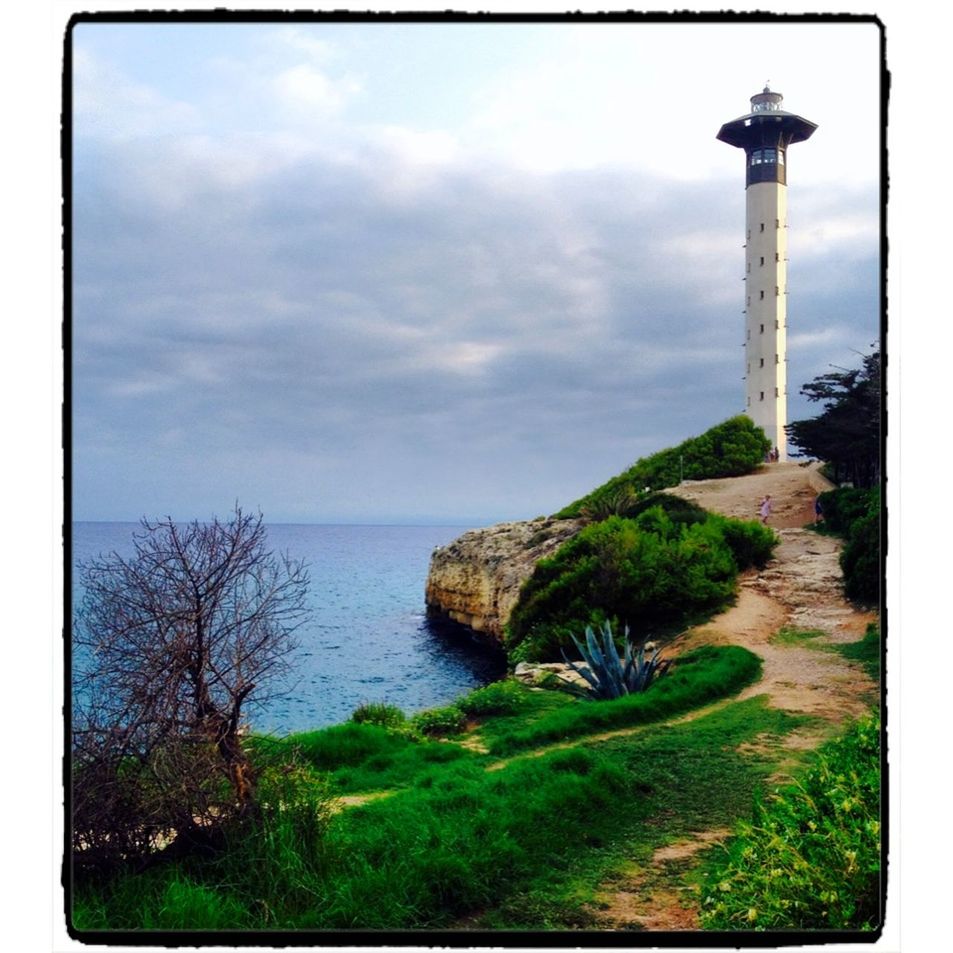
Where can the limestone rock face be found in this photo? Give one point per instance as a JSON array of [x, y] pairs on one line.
[[476, 579]]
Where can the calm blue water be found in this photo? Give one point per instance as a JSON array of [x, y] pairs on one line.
[[368, 638]]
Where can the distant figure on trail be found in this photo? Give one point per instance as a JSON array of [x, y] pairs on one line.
[[818, 510], [765, 509], [776, 455]]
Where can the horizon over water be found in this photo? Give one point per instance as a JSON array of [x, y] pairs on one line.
[[368, 638]]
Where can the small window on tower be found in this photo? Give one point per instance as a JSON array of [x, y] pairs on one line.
[[762, 395], [762, 362], [777, 291], [762, 225], [762, 260], [762, 295], [777, 360], [771, 155], [776, 392], [777, 256], [762, 329]]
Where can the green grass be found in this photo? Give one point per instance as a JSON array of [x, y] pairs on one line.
[[788, 635], [866, 651], [701, 676], [361, 757], [809, 858], [731, 448], [524, 847]]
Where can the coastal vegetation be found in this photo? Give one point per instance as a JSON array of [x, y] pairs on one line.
[[854, 514], [654, 573], [732, 448], [846, 434], [809, 858], [438, 832], [169, 646], [512, 807]]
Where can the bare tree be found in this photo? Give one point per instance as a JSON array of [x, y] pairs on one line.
[[169, 645]]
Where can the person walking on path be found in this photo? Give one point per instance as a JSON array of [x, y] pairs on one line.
[[765, 509], [818, 510]]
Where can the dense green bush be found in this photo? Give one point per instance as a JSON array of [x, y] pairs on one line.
[[732, 448], [860, 560], [440, 722], [854, 514], [843, 506], [751, 543], [379, 713], [810, 858], [650, 573], [678, 510], [498, 698]]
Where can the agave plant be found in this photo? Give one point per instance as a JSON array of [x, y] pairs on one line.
[[609, 675]]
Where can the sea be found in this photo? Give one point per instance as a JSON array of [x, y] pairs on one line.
[[369, 638]]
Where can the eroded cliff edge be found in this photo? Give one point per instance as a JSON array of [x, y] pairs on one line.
[[476, 579]]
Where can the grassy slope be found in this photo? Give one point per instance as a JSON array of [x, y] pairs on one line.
[[524, 845]]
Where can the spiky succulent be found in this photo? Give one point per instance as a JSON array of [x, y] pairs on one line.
[[609, 675]]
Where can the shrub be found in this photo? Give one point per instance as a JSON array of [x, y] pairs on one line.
[[450, 720], [860, 560], [731, 448], [379, 713], [650, 573], [498, 698], [810, 858], [844, 506], [751, 543], [677, 509], [854, 514]]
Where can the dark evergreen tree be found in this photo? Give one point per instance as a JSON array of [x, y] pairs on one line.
[[846, 434]]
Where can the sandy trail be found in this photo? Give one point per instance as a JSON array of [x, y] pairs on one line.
[[800, 588]]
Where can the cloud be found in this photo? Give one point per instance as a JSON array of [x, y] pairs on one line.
[[303, 88], [107, 104], [342, 319]]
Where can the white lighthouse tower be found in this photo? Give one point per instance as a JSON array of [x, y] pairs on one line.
[[765, 134]]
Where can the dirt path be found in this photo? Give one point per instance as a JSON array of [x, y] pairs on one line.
[[800, 589]]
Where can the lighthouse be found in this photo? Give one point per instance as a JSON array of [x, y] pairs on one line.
[[765, 134]]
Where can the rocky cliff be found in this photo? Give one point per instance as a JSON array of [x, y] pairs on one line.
[[476, 579]]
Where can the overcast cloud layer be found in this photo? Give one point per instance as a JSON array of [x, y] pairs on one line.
[[431, 272]]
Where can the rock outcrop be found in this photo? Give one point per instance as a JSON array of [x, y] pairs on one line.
[[476, 579]]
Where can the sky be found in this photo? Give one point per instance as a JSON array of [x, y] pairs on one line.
[[437, 272]]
